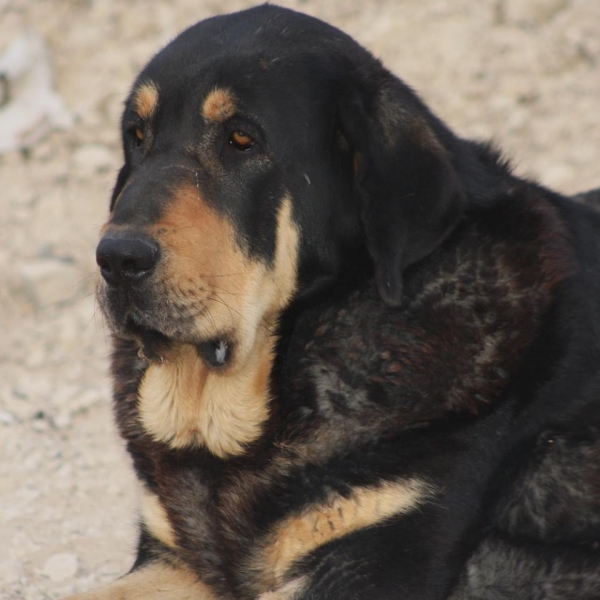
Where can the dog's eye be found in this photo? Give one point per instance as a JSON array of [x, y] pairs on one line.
[[139, 137], [241, 141]]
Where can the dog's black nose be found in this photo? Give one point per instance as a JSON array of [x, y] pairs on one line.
[[126, 260]]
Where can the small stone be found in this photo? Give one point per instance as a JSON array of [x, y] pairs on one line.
[[93, 158], [10, 571], [62, 420], [532, 12], [60, 566], [46, 282], [40, 425], [6, 418]]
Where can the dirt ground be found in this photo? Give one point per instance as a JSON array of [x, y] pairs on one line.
[[524, 72]]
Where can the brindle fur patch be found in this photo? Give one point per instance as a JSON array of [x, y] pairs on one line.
[[145, 100], [157, 581], [219, 106], [319, 524]]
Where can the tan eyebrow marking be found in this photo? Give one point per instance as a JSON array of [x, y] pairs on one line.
[[145, 100], [219, 105]]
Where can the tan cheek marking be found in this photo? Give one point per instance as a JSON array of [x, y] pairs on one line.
[[286, 258], [145, 100], [157, 581], [155, 518], [296, 536], [184, 403], [219, 106]]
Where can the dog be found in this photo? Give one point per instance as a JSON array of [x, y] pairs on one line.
[[355, 356]]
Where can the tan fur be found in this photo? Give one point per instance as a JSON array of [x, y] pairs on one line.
[[218, 106], [183, 402], [288, 591], [157, 581], [155, 519], [145, 100], [298, 535]]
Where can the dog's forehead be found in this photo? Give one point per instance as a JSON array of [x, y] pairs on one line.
[[262, 45], [263, 29]]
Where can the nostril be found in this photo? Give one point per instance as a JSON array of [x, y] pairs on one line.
[[131, 268], [103, 264], [129, 265]]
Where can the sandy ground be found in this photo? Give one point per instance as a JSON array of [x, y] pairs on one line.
[[525, 72]]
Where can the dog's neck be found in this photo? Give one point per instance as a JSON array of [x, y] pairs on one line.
[[187, 404], [470, 312]]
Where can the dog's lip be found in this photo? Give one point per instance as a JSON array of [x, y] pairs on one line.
[[155, 346]]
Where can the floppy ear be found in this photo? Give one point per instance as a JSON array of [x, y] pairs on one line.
[[120, 184], [410, 193]]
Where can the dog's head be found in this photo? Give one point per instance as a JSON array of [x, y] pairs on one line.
[[267, 155]]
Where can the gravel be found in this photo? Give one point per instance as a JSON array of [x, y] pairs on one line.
[[524, 73]]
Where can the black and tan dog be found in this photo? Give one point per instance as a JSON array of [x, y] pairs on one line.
[[354, 355]]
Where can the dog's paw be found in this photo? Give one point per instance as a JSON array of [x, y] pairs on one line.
[[157, 581]]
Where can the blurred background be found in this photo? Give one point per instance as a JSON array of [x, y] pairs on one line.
[[525, 73]]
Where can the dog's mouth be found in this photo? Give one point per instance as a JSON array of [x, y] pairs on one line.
[[154, 345], [157, 347]]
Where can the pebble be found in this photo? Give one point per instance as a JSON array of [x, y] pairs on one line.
[[40, 425], [532, 12], [60, 566], [62, 420], [10, 571], [93, 158], [6, 418], [46, 282]]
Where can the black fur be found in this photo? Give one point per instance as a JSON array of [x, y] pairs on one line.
[[446, 326]]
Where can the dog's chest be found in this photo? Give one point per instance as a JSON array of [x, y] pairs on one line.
[[355, 376]]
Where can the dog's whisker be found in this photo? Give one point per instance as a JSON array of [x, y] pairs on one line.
[[221, 290], [212, 320], [215, 298], [209, 276]]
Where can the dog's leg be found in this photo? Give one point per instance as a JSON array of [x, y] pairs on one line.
[[154, 581], [288, 591]]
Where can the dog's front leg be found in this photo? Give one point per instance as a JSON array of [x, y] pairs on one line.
[[157, 580]]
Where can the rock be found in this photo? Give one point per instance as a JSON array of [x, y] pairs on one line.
[[93, 158], [47, 281], [11, 571], [62, 420], [6, 418], [531, 12], [60, 566], [29, 106]]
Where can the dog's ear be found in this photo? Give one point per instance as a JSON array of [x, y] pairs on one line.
[[120, 184], [411, 195]]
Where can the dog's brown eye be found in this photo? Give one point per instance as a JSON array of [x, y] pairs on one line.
[[241, 140], [139, 134]]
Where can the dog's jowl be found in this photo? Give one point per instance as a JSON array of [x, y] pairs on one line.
[[355, 356]]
